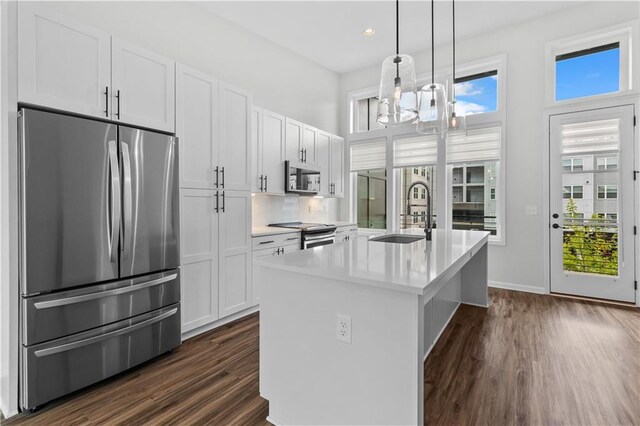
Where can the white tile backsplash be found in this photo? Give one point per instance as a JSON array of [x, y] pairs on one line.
[[288, 208]]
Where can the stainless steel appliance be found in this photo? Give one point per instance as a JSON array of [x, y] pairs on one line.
[[298, 180], [99, 277], [312, 234]]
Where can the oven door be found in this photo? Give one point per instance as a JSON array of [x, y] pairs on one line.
[[316, 240]]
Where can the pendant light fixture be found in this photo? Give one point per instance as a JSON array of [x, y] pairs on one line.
[[432, 114], [398, 100], [457, 123]]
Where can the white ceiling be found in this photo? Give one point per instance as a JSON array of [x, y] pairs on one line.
[[330, 33]]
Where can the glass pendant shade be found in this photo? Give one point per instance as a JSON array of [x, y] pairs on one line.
[[433, 114], [457, 123], [398, 95]]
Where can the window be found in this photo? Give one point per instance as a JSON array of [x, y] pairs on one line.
[[474, 179], [588, 72], [477, 93], [366, 111], [418, 196], [368, 162], [607, 191], [572, 164], [415, 193], [607, 163], [572, 191], [415, 171]]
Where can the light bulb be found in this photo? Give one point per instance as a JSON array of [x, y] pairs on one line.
[[454, 121], [397, 90]]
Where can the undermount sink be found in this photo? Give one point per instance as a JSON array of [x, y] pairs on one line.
[[398, 238]]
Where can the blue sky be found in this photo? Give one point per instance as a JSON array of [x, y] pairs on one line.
[[588, 75], [476, 96]]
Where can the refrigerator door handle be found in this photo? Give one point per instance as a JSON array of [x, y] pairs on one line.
[[114, 202], [74, 345], [99, 295], [128, 199]]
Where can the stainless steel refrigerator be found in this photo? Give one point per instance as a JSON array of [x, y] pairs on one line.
[[99, 277]]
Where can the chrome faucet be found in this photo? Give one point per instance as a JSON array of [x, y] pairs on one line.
[[428, 227]]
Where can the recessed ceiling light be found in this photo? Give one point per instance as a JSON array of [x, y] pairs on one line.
[[369, 32]]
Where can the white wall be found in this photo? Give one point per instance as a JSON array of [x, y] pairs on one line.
[[280, 80], [519, 262]]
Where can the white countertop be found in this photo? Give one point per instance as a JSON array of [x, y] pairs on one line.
[[403, 267], [338, 224], [260, 231]]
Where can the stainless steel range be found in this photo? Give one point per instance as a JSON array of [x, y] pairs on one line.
[[312, 234]]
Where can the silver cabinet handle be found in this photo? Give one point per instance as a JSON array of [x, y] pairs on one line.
[[224, 202], [115, 201], [266, 183], [222, 184], [128, 200], [74, 345], [99, 295]]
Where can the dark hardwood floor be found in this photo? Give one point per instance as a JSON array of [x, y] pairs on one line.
[[529, 359]]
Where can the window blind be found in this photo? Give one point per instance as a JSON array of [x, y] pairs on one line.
[[415, 151], [477, 145], [590, 137], [369, 156]]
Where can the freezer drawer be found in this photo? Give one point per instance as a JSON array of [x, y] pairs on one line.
[[57, 315], [53, 369]]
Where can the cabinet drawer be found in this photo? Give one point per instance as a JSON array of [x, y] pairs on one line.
[[278, 240]]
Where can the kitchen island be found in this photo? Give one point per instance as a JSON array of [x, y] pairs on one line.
[[345, 328]]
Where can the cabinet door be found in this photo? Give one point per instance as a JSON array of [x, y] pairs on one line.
[[62, 64], [199, 248], [196, 127], [143, 87], [235, 251], [270, 252], [257, 174], [235, 137], [310, 144], [273, 141], [337, 166], [323, 157], [293, 141]]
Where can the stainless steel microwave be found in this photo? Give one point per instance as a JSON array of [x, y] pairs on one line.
[[300, 180]]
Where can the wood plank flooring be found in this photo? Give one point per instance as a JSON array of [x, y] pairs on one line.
[[529, 359]]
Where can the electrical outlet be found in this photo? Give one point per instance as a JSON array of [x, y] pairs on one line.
[[343, 328]]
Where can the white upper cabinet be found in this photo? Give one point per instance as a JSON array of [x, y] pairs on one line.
[[309, 144], [256, 150], [323, 146], [235, 137], [62, 64], [143, 87], [196, 127], [293, 140], [337, 167], [235, 260], [273, 141]]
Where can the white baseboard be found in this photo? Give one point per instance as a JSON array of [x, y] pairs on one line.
[[517, 287], [226, 320]]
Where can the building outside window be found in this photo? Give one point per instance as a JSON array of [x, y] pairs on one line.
[[368, 161], [474, 196], [572, 164], [607, 163], [607, 191], [367, 114], [572, 191]]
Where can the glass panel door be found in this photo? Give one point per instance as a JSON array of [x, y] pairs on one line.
[[592, 204]]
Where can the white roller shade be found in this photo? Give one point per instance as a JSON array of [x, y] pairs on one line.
[[477, 145], [369, 156], [415, 151], [591, 137]]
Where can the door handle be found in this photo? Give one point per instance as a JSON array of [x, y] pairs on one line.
[[305, 155], [217, 207], [128, 200], [555, 226], [266, 183], [115, 210], [266, 242], [223, 202], [302, 155], [555, 215], [222, 171], [261, 183], [106, 101], [217, 170], [101, 294], [118, 101], [100, 338]]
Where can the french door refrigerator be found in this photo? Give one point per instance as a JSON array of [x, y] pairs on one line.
[[99, 277]]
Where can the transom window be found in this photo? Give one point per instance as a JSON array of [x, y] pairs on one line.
[[477, 93], [588, 72]]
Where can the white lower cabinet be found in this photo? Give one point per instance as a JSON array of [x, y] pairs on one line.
[[216, 255], [346, 233], [274, 245]]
